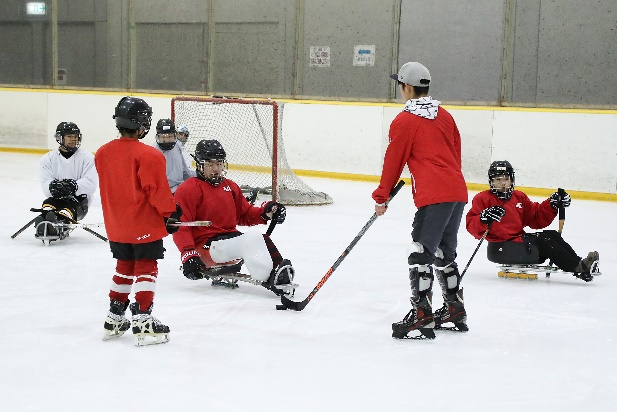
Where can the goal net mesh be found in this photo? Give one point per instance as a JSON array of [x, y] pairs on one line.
[[250, 132]]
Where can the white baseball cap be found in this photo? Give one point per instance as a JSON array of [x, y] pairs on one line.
[[413, 73]]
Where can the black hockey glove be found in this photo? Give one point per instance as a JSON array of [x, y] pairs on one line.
[[492, 214], [274, 210], [173, 218], [556, 200], [192, 265], [63, 188]]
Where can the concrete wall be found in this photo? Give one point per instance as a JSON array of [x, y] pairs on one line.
[[548, 148], [522, 52]]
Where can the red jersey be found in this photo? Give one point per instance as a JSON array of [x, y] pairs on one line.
[[521, 212], [224, 205], [135, 194], [431, 148]]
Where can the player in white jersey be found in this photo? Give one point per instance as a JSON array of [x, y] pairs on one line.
[[177, 169], [68, 179]]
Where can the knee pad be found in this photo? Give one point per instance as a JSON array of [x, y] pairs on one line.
[[418, 255], [421, 280]]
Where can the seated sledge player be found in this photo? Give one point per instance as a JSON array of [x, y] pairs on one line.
[[177, 169], [68, 178], [511, 211], [221, 248]]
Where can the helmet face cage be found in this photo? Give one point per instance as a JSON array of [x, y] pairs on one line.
[[501, 168], [68, 128], [165, 127], [210, 151], [133, 114]]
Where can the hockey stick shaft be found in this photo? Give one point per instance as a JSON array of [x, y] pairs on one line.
[[195, 223], [562, 210], [476, 251], [26, 226], [298, 306]]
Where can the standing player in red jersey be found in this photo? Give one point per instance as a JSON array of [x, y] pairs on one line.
[[137, 208], [220, 247], [425, 137]]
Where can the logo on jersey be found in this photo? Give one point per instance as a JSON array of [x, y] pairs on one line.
[[519, 205], [143, 237], [227, 189]]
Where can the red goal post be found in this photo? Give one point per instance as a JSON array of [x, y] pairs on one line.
[[250, 132]]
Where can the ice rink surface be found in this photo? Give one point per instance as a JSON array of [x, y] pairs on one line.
[[543, 345]]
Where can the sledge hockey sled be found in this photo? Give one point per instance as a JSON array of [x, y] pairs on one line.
[[48, 231], [228, 275], [531, 271]]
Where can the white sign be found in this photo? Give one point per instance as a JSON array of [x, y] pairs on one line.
[[35, 9], [364, 55], [319, 56]]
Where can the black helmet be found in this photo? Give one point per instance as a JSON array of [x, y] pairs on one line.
[[501, 168], [165, 126], [65, 128], [133, 113], [208, 150]]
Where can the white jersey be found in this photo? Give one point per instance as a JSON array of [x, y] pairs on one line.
[[177, 170], [79, 167]]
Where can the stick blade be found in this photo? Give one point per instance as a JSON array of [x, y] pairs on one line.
[[290, 304]]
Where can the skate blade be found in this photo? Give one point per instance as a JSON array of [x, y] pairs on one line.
[[457, 327], [144, 339], [113, 334], [416, 334]]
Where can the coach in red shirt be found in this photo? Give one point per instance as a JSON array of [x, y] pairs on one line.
[[425, 137]]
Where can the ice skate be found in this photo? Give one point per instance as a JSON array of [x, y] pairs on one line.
[[588, 267], [147, 329], [281, 279], [116, 323], [452, 311], [419, 321]]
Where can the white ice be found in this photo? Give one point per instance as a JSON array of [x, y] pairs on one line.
[[543, 345]]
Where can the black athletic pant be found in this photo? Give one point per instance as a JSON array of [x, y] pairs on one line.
[[552, 246]]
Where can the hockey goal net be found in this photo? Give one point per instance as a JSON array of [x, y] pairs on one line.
[[250, 132]]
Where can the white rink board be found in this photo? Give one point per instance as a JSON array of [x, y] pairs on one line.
[[571, 149]]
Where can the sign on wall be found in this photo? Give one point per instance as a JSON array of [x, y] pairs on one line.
[[364, 55], [319, 56]]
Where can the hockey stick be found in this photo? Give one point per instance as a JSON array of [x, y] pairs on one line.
[[562, 210], [476, 251], [287, 303], [76, 222], [195, 223], [26, 226]]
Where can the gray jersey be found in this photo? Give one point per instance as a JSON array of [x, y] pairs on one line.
[[177, 169]]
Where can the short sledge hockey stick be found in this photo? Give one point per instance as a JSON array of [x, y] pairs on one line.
[[287, 303], [562, 210], [26, 226], [195, 223]]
